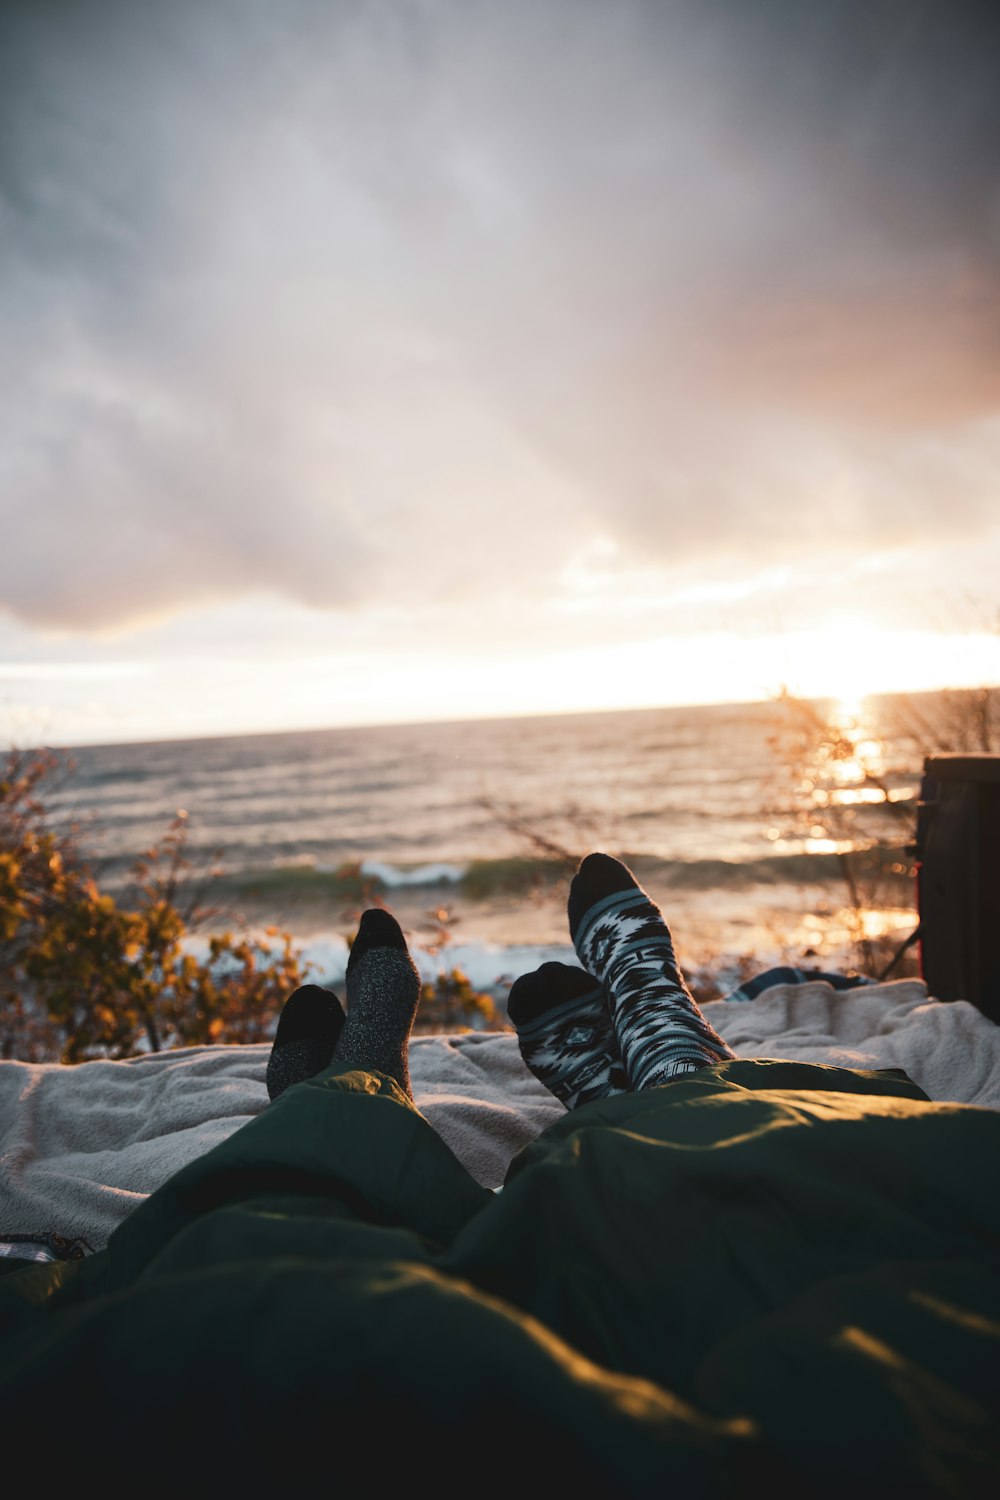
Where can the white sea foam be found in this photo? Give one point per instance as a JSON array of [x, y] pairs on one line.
[[489, 967], [431, 874]]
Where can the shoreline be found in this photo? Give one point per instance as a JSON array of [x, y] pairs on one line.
[[721, 936]]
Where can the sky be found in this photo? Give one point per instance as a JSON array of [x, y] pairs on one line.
[[414, 359]]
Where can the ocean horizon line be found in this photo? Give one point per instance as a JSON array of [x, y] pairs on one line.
[[561, 715]]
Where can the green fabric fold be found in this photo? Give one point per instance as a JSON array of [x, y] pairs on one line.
[[765, 1272]]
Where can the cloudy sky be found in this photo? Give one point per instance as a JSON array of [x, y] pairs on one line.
[[369, 360]]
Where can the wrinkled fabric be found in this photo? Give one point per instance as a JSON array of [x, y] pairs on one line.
[[761, 1273]]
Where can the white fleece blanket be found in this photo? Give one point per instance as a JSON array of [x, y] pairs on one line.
[[81, 1147]]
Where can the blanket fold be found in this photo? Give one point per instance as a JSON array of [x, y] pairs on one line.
[[82, 1147]]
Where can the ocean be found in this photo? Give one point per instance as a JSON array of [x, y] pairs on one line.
[[468, 831]]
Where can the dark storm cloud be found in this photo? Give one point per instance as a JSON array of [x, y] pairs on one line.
[[361, 301]]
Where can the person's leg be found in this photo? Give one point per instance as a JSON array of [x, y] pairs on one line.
[[383, 990], [622, 939], [349, 1136], [310, 1023], [565, 1034]]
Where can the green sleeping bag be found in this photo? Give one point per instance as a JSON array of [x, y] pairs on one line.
[[762, 1274]]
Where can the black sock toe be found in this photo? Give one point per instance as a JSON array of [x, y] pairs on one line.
[[599, 875], [308, 1029], [377, 929], [310, 1013], [547, 986]]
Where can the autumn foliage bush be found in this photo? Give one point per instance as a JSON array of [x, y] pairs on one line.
[[85, 974]]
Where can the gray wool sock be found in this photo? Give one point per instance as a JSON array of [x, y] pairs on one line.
[[383, 990]]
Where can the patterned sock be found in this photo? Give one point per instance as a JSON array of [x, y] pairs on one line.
[[383, 989], [310, 1022], [564, 1031], [621, 938]]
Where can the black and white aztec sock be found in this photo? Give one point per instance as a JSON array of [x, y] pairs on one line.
[[565, 1034], [621, 938], [310, 1022], [383, 990]]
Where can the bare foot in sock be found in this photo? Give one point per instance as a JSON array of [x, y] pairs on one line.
[[383, 989], [622, 939], [565, 1035], [308, 1027]]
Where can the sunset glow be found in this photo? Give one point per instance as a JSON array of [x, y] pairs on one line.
[[389, 363], [182, 697]]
